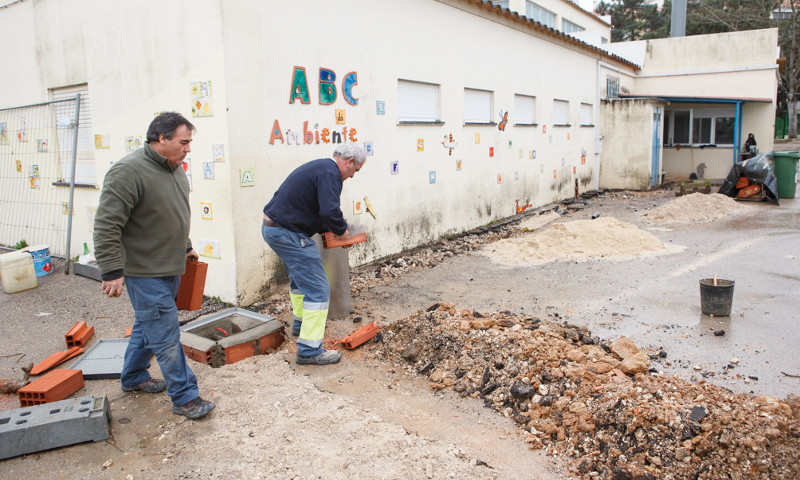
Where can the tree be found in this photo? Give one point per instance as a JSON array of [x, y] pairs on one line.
[[718, 16], [633, 20], [789, 78]]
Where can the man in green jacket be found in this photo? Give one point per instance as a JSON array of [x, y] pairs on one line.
[[141, 239]]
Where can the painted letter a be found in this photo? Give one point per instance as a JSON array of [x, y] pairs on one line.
[[299, 86]]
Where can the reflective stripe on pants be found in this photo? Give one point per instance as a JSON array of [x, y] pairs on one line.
[[303, 263]]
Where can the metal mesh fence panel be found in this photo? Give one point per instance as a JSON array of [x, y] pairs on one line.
[[36, 143]]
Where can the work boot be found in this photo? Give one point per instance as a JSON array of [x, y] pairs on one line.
[[197, 408], [327, 357], [295, 332], [150, 386]]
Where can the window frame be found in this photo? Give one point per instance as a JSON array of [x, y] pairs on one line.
[[590, 121], [520, 113], [531, 7], [574, 27], [703, 123], [557, 102], [475, 101], [417, 91]]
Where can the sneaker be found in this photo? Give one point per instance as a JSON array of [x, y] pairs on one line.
[[327, 357], [197, 408], [149, 386]]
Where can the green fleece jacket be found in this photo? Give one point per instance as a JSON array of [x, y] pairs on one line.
[[142, 223]]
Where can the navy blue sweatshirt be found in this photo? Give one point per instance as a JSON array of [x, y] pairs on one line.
[[308, 200]]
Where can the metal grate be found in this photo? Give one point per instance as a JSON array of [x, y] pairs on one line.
[[103, 360]]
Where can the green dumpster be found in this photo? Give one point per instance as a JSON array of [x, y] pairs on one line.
[[785, 170]]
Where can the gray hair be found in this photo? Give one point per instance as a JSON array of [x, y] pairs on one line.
[[166, 124], [348, 150]]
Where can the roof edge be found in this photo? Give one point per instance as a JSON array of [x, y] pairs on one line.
[[538, 27]]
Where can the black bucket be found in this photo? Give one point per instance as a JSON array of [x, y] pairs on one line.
[[716, 299]]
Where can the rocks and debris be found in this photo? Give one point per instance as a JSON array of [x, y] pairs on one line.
[[597, 404], [696, 207]]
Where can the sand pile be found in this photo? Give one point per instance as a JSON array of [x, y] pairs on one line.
[[580, 240], [537, 221], [697, 207]]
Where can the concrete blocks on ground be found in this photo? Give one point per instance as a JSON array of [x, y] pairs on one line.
[[89, 271], [54, 386], [58, 424]]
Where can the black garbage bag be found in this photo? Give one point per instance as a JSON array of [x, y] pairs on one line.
[[759, 170]]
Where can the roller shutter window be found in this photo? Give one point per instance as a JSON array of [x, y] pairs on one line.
[[417, 101], [586, 115], [524, 110], [560, 112], [477, 106]]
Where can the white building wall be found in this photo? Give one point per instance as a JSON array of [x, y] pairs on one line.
[[136, 63], [141, 58], [627, 130], [737, 65], [451, 47]]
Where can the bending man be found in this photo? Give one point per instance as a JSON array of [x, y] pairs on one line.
[[307, 202]]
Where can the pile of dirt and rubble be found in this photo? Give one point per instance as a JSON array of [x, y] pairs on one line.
[[578, 240], [600, 404], [697, 207]]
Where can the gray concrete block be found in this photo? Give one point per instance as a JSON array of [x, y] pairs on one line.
[[89, 271], [52, 425]]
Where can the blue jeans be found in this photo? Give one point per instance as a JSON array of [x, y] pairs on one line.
[[156, 331], [303, 263]]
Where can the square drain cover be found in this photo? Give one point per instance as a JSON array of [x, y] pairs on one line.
[[103, 360]]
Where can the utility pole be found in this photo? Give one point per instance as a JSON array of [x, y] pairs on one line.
[[677, 22]]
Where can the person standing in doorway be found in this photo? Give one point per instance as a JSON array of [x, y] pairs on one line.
[[750, 143], [141, 239], [307, 202]]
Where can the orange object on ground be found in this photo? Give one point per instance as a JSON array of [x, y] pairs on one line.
[[56, 359], [128, 332], [193, 283], [748, 191], [742, 182], [360, 336], [329, 241], [79, 335], [56, 385]]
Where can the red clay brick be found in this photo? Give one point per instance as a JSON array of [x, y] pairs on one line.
[[52, 387], [235, 353], [329, 241], [79, 335], [193, 283], [269, 342], [202, 356], [360, 336], [56, 359]]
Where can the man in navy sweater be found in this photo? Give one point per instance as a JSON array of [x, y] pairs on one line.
[[307, 202]]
